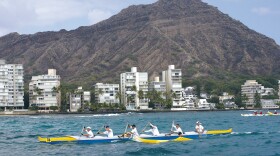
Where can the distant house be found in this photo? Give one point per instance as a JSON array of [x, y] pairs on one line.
[[279, 89], [204, 96], [269, 104], [225, 97], [230, 105], [189, 97], [203, 104]]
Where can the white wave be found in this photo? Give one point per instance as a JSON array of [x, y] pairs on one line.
[[234, 133], [34, 117], [97, 115], [102, 115], [39, 117], [107, 115]]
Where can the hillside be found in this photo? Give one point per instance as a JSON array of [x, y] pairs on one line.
[[193, 35]]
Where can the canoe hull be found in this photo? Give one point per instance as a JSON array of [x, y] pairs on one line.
[[189, 135], [82, 139]]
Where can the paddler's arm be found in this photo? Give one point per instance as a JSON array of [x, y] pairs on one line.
[[150, 130]]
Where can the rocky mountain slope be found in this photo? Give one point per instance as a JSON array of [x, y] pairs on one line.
[[191, 34]]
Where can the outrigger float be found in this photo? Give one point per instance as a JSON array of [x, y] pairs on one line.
[[142, 138]]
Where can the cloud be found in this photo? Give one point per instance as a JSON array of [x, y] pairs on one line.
[[95, 16], [262, 10], [30, 16], [265, 11]]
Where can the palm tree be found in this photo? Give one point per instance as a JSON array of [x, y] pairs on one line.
[[119, 96], [38, 92], [244, 99], [173, 95], [141, 94], [130, 99], [257, 100], [56, 92], [100, 91], [133, 88]]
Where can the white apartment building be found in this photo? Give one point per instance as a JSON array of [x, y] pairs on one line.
[[130, 85], [78, 99], [250, 88], [173, 79], [11, 86], [106, 93], [87, 96], [44, 90], [158, 86]]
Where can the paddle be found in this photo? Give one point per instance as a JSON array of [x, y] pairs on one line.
[[145, 127], [100, 129], [172, 126], [125, 129], [82, 132]]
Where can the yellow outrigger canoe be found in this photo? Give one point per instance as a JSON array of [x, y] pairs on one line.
[[187, 136]]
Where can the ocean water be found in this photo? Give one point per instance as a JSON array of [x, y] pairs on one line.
[[251, 135]]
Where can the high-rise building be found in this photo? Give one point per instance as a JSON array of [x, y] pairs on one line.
[[248, 91], [134, 87], [78, 99], [106, 93], [173, 79], [11, 86], [44, 90], [158, 86]]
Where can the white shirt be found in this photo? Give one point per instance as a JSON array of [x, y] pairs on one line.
[[109, 133], [177, 130], [199, 128], [154, 130], [90, 134], [134, 132]]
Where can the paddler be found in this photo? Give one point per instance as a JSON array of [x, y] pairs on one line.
[[134, 131], [255, 112], [177, 129], [108, 131], [153, 129], [88, 132], [275, 112], [199, 128]]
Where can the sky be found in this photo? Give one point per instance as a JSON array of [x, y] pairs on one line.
[[31, 16]]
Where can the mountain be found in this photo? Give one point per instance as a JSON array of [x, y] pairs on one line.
[[190, 34]]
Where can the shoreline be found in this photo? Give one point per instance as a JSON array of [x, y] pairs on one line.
[[118, 112]]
